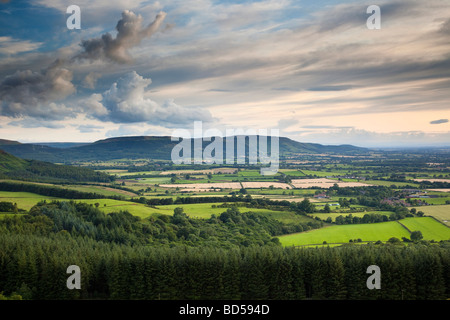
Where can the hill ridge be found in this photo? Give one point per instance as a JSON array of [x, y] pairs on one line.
[[151, 147]]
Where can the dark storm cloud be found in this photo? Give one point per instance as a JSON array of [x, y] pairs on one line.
[[28, 93]]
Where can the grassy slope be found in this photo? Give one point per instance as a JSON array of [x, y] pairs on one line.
[[343, 233], [24, 200], [430, 228], [10, 163]]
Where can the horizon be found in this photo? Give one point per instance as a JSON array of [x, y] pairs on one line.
[[312, 69], [386, 148]]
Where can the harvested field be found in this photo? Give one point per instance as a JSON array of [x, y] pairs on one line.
[[439, 190], [324, 183], [256, 185], [283, 199], [196, 172], [433, 180], [204, 186]]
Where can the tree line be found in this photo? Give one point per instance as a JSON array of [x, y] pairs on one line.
[[34, 267], [231, 256], [40, 171], [230, 228], [53, 191]]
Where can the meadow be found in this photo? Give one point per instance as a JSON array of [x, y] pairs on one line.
[[430, 228], [343, 233], [442, 213], [322, 173], [333, 215], [24, 200], [390, 183]]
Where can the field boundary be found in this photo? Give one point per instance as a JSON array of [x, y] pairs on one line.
[[404, 226], [324, 244], [439, 221]]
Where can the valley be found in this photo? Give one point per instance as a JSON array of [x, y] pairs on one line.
[[374, 200]]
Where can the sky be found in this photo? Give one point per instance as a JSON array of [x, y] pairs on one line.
[[312, 69]]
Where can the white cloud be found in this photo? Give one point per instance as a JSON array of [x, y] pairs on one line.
[[11, 46], [126, 102], [371, 139], [91, 79]]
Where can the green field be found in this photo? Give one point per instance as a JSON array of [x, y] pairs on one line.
[[27, 200], [153, 181], [109, 205], [197, 210], [333, 216], [292, 172], [434, 201], [442, 213], [249, 173], [390, 183], [24, 200], [323, 173], [105, 191], [430, 228], [343, 233], [120, 173]]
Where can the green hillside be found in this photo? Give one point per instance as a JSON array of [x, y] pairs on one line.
[[12, 167], [10, 163], [150, 147]]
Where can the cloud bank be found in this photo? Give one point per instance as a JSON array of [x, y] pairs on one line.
[[34, 94], [126, 102]]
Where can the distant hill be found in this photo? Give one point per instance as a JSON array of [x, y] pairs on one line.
[[8, 142], [10, 163], [12, 167], [61, 144], [148, 147]]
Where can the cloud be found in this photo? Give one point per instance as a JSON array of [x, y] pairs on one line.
[[326, 127], [34, 123], [88, 128], [33, 94], [371, 139], [332, 88], [124, 130], [286, 123], [91, 79], [125, 102], [11, 46], [36, 94], [445, 28], [440, 121], [129, 34]]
